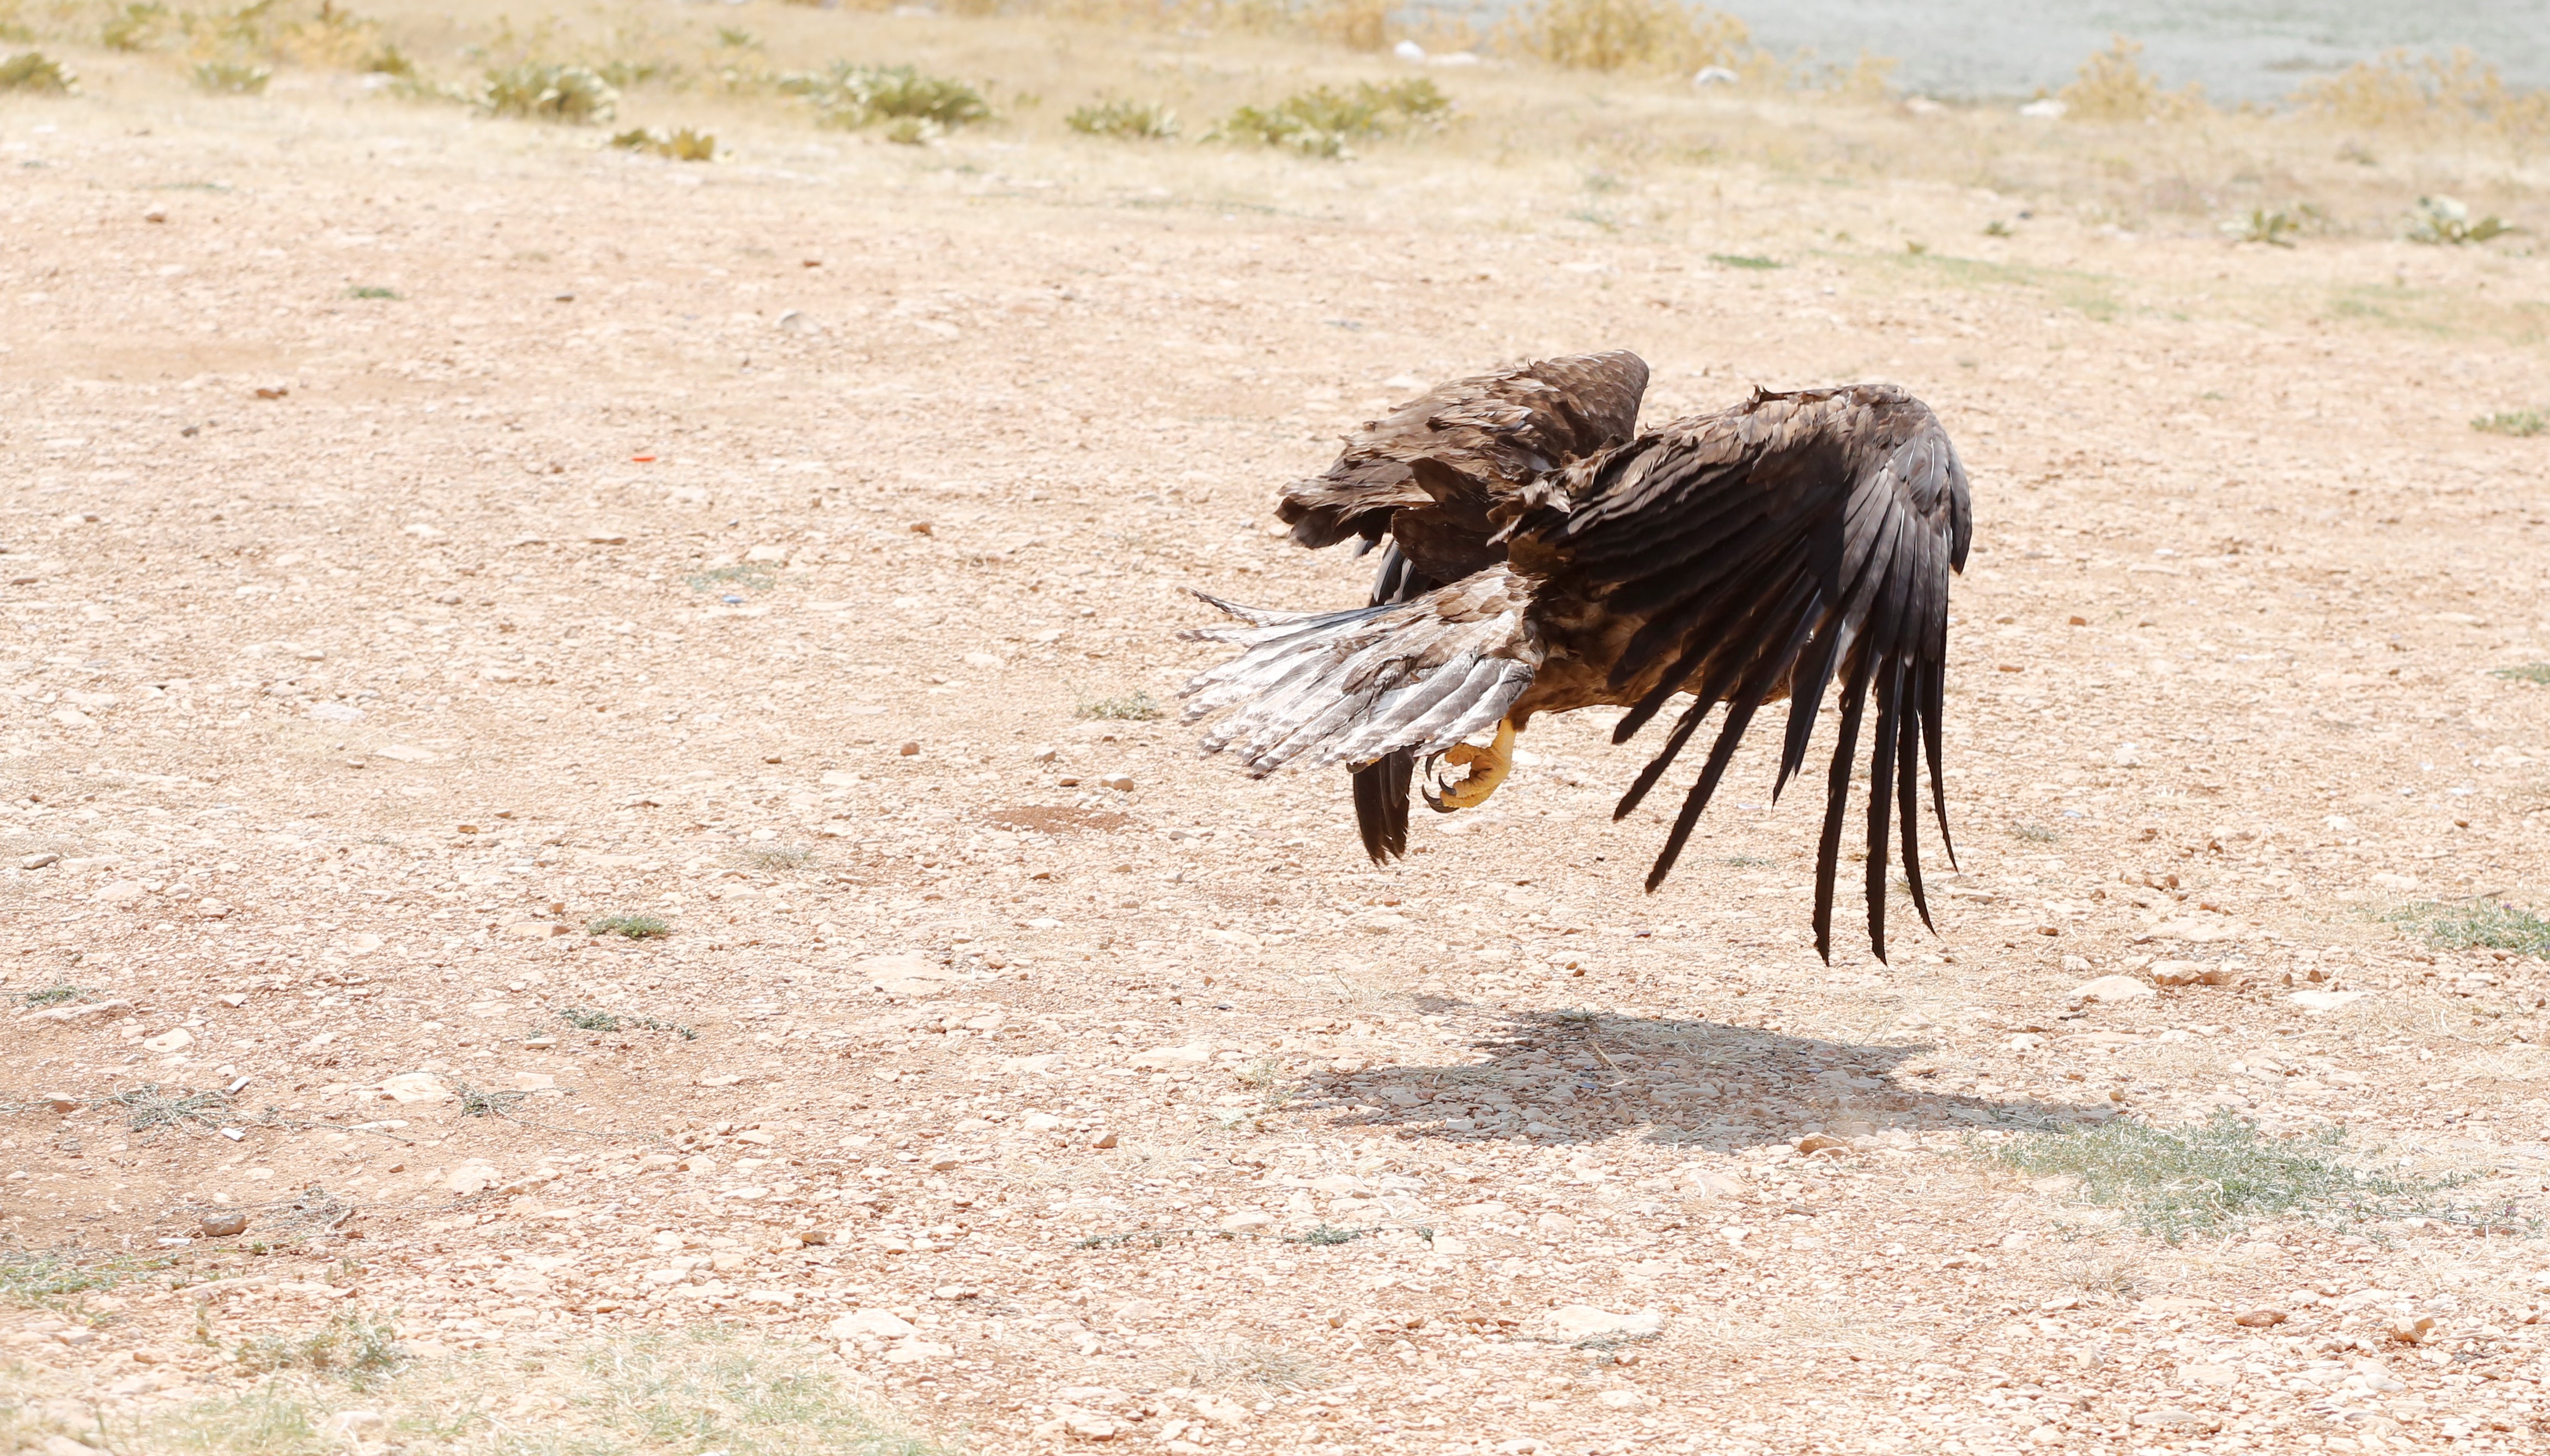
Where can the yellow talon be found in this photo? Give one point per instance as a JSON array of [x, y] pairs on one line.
[[1488, 768]]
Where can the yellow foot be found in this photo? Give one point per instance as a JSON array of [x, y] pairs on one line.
[[1488, 768]]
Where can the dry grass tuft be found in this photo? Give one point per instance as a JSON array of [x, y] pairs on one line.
[[1242, 1366], [2430, 94], [2112, 86], [1631, 35], [2521, 424]]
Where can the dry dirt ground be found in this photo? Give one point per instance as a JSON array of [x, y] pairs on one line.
[[761, 547]]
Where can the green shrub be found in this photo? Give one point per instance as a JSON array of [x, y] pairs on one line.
[[1129, 120], [232, 78], [2445, 219], [682, 146], [861, 95], [549, 93], [34, 70], [1321, 122], [2524, 423], [133, 26], [633, 926]]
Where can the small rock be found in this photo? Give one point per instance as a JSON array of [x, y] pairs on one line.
[[121, 892], [38, 861], [813, 1236], [537, 929], [603, 535], [2261, 1318], [471, 1177], [1585, 1322], [2411, 1331], [1238, 1222], [1087, 1425], [223, 1226], [2177, 972], [2170, 1418], [1619, 1400], [408, 1086], [909, 750], [1040, 1121], [211, 909], [1122, 783], [1102, 1139], [1820, 1142], [61, 1102], [869, 1324], [2111, 989], [176, 1040]]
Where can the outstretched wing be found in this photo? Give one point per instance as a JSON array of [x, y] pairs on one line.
[[1354, 686], [1765, 552], [1462, 443]]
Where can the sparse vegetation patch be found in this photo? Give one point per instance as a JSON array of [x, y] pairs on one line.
[[1132, 707], [633, 927], [2522, 424], [2210, 1178], [2471, 925]]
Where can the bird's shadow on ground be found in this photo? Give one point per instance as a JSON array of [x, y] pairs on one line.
[[1579, 1078]]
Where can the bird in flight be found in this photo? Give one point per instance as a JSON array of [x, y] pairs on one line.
[[1541, 553]]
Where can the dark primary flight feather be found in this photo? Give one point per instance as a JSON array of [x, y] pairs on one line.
[[1543, 557], [1767, 552]]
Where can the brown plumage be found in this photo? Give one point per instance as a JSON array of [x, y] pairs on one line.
[[1545, 556]]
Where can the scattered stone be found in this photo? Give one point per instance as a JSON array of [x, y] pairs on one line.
[[474, 1176], [868, 1324], [211, 909], [2325, 1000], [1122, 783], [121, 892], [1822, 1142], [2112, 989], [2261, 1318], [1619, 1400], [175, 1039], [38, 861], [1241, 1222], [1585, 1321], [1040, 1121], [224, 1224], [2409, 1330], [814, 1237], [61, 1102], [908, 750], [537, 929], [1102, 1139], [908, 974], [412, 1087]]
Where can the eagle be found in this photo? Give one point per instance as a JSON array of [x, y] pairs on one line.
[[1541, 553]]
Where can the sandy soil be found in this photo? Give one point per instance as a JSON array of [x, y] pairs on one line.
[[747, 546]]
